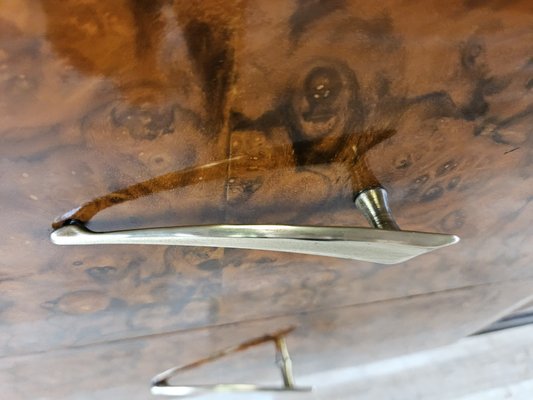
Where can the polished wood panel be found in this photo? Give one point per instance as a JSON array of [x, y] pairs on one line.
[[300, 105], [322, 341]]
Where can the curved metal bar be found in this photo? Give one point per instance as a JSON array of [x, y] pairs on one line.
[[365, 244]]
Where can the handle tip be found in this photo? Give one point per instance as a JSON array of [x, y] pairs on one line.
[[68, 234]]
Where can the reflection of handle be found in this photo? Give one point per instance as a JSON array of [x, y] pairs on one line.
[[382, 245]]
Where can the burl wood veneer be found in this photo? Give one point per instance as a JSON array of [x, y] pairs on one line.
[[299, 105]]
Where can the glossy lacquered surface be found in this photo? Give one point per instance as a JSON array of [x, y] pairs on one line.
[[138, 114], [323, 341]]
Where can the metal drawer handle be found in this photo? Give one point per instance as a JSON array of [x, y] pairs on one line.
[[385, 244], [161, 386]]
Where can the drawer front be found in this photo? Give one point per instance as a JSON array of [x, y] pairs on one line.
[[254, 112], [322, 341]]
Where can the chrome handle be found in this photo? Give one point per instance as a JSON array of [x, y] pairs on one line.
[[160, 383], [384, 246]]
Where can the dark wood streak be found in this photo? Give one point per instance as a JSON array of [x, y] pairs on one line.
[[309, 12], [210, 50], [146, 14]]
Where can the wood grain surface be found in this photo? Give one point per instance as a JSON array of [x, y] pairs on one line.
[[322, 341], [181, 113]]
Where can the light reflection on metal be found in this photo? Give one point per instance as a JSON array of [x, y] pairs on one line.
[[374, 205]]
